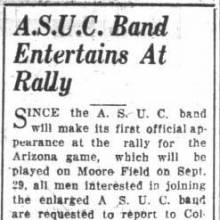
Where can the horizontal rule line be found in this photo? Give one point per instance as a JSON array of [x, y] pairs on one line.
[[108, 105], [103, 4]]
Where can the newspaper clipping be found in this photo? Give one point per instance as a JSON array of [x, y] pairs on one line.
[[110, 110]]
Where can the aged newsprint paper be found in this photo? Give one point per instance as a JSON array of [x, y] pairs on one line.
[[109, 110]]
